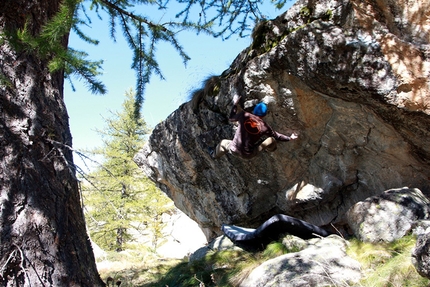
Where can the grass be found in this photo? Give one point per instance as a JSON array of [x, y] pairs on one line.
[[387, 264], [223, 268], [134, 268], [383, 265]]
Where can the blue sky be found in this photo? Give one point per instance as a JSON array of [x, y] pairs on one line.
[[209, 56]]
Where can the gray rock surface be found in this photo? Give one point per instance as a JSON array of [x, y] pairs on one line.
[[323, 263], [351, 77], [388, 216], [421, 252]]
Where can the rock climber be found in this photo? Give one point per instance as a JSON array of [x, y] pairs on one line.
[[252, 135]]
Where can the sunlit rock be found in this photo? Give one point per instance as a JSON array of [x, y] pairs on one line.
[[389, 216], [323, 263], [351, 77]]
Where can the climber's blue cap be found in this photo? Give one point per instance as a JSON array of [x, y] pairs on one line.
[[260, 110]]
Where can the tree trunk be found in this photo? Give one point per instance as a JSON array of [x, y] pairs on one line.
[[43, 235]]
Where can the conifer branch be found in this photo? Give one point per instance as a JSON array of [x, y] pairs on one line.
[[133, 16]]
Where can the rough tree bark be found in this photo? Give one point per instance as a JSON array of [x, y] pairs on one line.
[[43, 236]]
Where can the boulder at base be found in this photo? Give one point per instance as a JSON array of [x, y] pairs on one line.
[[388, 216], [323, 263]]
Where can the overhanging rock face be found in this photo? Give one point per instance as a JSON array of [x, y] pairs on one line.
[[351, 77]]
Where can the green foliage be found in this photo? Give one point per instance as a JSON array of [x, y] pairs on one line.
[[120, 202], [328, 15], [48, 45], [279, 4], [305, 12], [49, 41], [74, 63]]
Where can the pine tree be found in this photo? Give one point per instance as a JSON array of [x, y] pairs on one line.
[[120, 201]]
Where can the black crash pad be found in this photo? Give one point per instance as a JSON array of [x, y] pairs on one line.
[[271, 230]]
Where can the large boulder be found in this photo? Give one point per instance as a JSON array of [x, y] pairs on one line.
[[352, 77], [389, 216], [323, 263], [421, 252]]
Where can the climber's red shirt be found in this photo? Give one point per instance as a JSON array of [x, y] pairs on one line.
[[251, 132]]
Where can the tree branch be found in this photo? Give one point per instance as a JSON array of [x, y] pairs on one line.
[[135, 17]]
